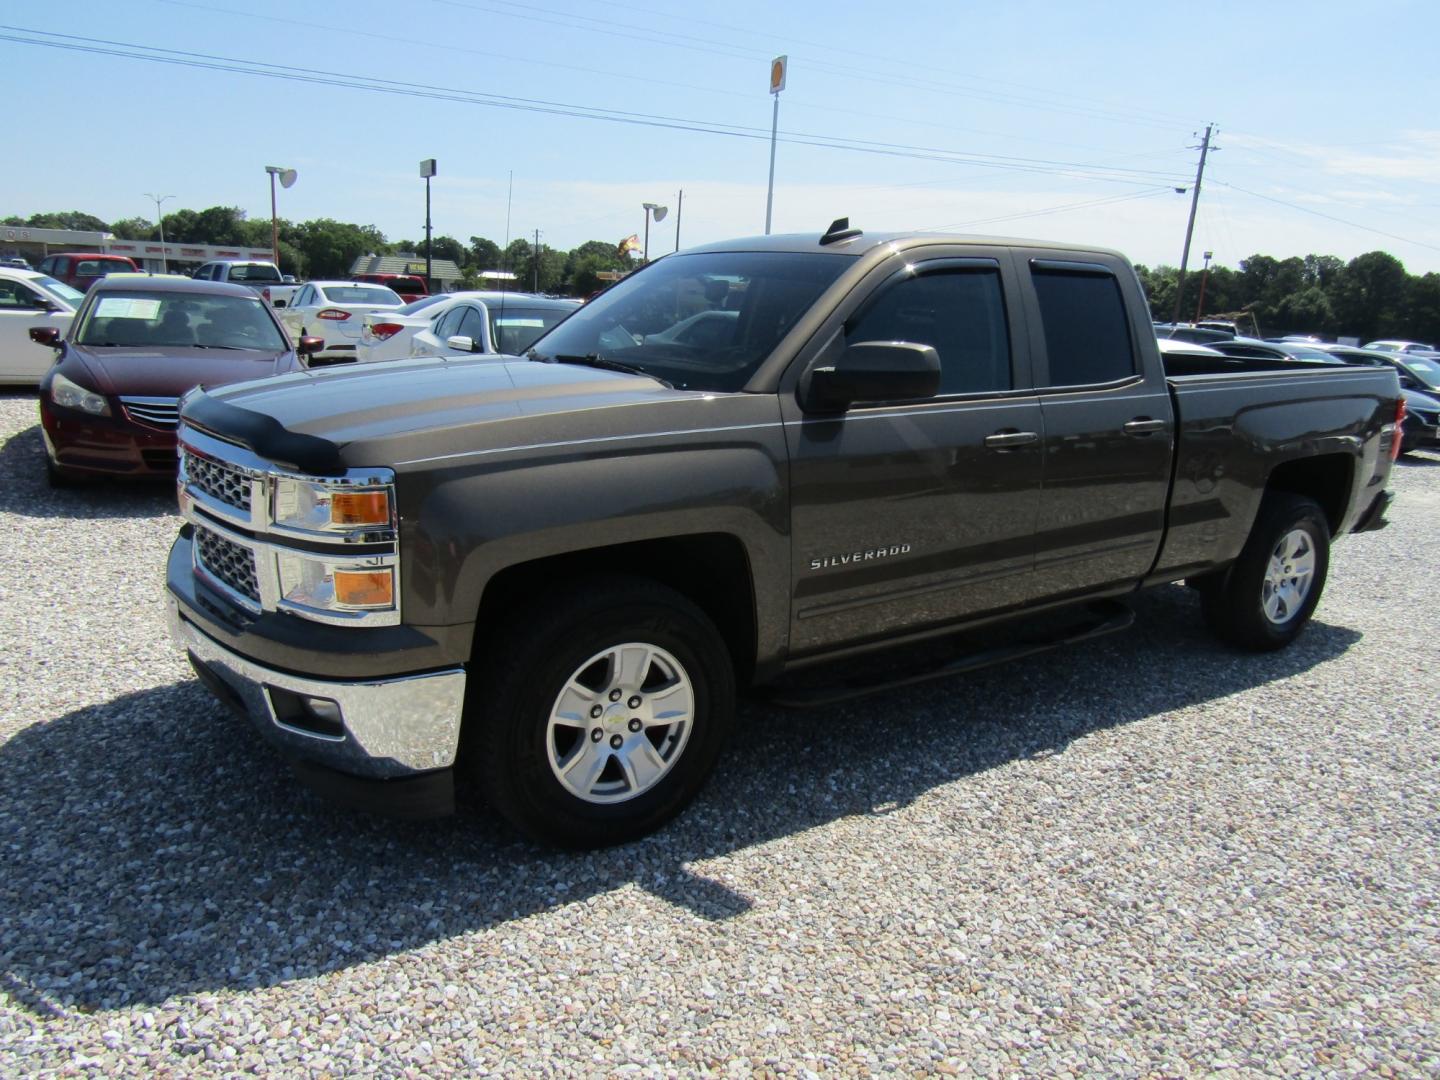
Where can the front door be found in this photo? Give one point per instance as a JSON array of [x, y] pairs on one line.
[[907, 514]]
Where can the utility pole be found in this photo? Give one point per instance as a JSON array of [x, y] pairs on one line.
[[536, 286], [1190, 227]]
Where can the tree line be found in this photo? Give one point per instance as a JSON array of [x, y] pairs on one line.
[[326, 248], [1372, 296]]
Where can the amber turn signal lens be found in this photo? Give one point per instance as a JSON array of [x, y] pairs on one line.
[[365, 588], [360, 508]]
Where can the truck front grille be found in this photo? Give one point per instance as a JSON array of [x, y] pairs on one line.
[[230, 486], [232, 563]]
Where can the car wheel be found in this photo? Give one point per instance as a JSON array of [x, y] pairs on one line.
[[601, 717], [1267, 596]]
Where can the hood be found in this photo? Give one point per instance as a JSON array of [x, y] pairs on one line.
[[169, 372], [458, 405]]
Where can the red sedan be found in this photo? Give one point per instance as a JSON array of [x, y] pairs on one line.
[[111, 401]]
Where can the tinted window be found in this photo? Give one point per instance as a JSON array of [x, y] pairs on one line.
[[1087, 330], [962, 314], [15, 295], [627, 323], [360, 294], [446, 327], [515, 327], [255, 272], [472, 326]]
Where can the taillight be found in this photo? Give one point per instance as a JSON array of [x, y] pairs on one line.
[[385, 330], [1399, 436], [333, 314], [265, 293]]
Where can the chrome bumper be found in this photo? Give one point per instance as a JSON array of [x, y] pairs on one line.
[[387, 728]]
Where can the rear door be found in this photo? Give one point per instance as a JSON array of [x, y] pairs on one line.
[[907, 514], [1108, 421]]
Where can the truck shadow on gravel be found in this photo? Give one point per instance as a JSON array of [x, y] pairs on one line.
[[23, 489], [152, 847]]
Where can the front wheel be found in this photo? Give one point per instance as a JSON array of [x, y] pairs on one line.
[[1268, 595], [603, 715]]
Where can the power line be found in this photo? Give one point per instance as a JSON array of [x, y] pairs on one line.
[[1329, 217], [208, 61], [1107, 201]]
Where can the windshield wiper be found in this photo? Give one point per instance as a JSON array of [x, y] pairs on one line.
[[595, 360]]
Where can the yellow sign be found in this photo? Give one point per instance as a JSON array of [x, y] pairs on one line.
[[777, 73]]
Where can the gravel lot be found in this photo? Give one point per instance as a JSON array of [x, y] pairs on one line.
[[1144, 855]]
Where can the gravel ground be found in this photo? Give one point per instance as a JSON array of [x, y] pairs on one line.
[[1145, 855]]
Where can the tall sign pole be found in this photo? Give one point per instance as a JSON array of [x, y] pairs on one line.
[[287, 177], [427, 170], [777, 83], [1190, 227], [679, 207]]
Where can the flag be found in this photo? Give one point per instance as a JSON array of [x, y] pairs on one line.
[[629, 244]]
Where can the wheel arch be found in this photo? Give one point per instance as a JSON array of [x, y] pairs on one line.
[[712, 570], [1328, 479]]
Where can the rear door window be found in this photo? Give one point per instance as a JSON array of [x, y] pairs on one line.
[[1087, 329]]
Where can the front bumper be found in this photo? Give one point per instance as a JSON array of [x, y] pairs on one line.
[[1418, 434], [105, 444], [376, 728]]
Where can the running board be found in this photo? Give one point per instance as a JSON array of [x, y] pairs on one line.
[[1103, 617]]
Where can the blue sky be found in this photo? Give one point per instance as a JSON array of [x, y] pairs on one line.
[[1066, 121]]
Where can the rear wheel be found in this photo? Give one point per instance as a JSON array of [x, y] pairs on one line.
[[601, 717], [1265, 599]]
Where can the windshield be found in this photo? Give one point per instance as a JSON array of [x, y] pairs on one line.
[[178, 320], [1301, 352], [261, 273], [61, 290], [515, 327], [702, 322], [360, 294], [1427, 371]]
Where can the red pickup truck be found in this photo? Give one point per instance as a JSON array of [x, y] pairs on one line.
[[410, 286]]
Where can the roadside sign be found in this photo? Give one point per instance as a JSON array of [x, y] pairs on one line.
[[777, 73], [427, 168]]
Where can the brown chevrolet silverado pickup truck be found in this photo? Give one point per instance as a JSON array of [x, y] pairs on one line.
[[553, 573]]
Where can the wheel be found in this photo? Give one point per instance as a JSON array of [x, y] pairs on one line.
[[603, 715], [1267, 596]]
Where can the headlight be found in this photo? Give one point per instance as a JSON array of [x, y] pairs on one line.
[[70, 395], [315, 506], [318, 584]]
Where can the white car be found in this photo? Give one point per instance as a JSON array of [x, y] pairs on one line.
[[507, 323], [1400, 346], [29, 299], [334, 311], [386, 335]]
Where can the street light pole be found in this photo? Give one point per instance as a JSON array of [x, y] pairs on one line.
[[160, 222], [659, 212], [287, 177], [427, 170]]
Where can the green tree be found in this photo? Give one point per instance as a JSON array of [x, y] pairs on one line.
[[136, 228], [329, 247], [1371, 296], [69, 219], [484, 254]]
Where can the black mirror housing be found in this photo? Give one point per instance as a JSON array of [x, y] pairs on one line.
[[873, 371], [309, 346]]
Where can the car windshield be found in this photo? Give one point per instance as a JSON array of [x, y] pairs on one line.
[[647, 321], [156, 319], [255, 273], [73, 297], [1427, 371], [360, 294], [1301, 352], [515, 327]]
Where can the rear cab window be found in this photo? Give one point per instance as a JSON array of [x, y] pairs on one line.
[[1086, 324]]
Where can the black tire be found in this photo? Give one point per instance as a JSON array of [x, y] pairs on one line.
[[1234, 604], [509, 744]]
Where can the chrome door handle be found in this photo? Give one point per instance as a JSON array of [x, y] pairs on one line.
[[1144, 426], [1004, 440]]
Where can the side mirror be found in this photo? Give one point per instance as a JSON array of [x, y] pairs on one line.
[[43, 303], [309, 346], [873, 371], [461, 343], [46, 335]]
